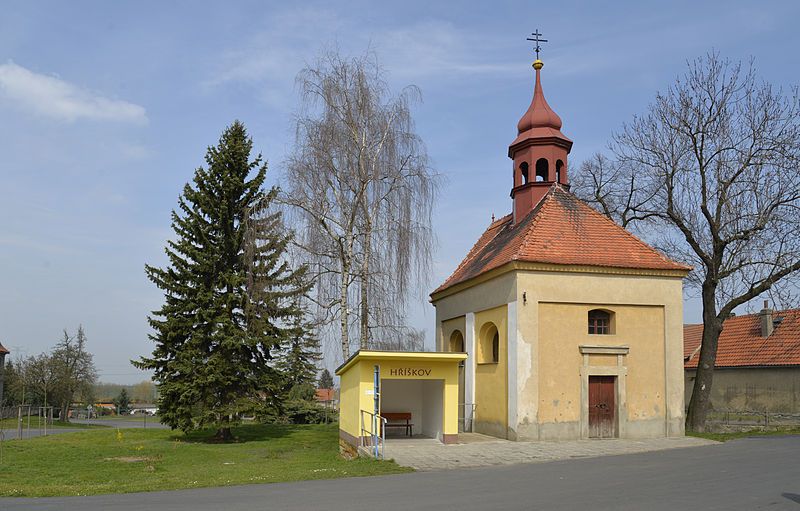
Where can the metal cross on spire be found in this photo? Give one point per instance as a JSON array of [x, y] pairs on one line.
[[536, 40]]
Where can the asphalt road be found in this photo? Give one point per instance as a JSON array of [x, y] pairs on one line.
[[12, 434], [749, 474], [124, 423]]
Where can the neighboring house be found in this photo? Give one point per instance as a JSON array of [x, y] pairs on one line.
[[572, 325], [327, 398], [758, 362]]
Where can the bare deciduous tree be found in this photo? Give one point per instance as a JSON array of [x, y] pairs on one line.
[[74, 369], [613, 188], [715, 166], [361, 189], [40, 376]]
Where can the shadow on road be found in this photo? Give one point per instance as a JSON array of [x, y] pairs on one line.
[[791, 496]]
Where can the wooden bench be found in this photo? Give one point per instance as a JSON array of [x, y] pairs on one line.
[[399, 420]]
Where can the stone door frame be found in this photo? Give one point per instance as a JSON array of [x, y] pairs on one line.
[[619, 370]]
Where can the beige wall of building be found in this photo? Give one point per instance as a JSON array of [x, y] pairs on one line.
[[772, 389], [491, 378], [563, 330], [449, 328], [546, 374]]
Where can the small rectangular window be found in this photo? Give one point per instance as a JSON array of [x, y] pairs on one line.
[[599, 322]]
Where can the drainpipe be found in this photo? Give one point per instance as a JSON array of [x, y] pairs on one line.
[[766, 320]]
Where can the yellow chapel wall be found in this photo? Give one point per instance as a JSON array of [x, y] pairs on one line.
[[452, 312], [545, 350], [563, 328], [493, 293], [491, 378], [448, 327], [611, 288]]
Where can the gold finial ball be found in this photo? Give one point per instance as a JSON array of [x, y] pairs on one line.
[[538, 64]]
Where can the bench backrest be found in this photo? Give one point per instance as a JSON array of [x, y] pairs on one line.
[[396, 416]]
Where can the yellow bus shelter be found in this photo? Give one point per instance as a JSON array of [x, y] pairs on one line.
[[418, 390]]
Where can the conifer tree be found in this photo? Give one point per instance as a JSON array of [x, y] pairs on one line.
[[298, 361], [325, 380], [230, 295], [122, 401]]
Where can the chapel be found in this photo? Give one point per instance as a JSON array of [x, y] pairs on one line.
[[572, 327]]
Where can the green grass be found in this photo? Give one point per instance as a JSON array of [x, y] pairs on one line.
[[11, 424], [133, 460], [724, 437]]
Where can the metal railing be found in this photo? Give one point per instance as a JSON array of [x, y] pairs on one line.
[[372, 427]]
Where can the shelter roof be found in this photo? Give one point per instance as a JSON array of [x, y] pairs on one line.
[[410, 356]]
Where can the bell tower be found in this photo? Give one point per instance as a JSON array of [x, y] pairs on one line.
[[540, 150]]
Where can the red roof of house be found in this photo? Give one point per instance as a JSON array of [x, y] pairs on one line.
[[741, 343], [325, 394], [561, 229], [3, 350]]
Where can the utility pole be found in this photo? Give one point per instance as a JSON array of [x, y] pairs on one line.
[[3, 353]]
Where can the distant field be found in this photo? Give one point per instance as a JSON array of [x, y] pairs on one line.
[[108, 460]]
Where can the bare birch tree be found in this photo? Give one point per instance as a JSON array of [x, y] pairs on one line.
[[716, 168], [360, 186]]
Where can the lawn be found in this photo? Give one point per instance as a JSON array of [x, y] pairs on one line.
[[133, 460], [724, 437]]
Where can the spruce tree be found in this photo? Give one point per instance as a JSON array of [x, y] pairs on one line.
[[325, 380], [230, 296], [298, 361], [122, 401]]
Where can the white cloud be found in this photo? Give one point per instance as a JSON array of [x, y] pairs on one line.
[[438, 49], [52, 97], [430, 52]]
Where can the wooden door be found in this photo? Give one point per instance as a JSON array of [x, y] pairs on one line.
[[602, 407]]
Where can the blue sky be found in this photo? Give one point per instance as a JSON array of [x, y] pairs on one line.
[[107, 108]]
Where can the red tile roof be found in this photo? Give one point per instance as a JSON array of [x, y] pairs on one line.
[[3, 350], [741, 343], [561, 229]]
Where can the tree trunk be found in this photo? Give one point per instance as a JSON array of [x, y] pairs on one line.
[[344, 316], [364, 341], [224, 434], [701, 393]]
